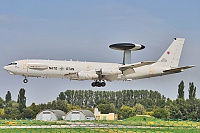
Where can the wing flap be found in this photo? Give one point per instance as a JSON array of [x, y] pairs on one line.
[[128, 71], [135, 65], [179, 69]]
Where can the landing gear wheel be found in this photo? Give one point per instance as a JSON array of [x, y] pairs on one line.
[[25, 80], [93, 84], [98, 84], [103, 84]]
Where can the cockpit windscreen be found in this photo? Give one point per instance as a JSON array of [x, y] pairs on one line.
[[13, 63]]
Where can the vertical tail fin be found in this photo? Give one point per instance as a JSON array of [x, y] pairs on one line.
[[172, 55]]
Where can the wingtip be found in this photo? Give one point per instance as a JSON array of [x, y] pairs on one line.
[[192, 65]]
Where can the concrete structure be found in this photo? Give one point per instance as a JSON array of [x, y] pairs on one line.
[[99, 116], [110, 116], [50, 115], [80, 115]]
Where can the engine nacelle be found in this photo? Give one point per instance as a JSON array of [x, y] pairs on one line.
[[106, 71], [86, 76]]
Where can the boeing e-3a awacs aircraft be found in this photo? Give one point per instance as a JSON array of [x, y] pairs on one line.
[[101, 72]]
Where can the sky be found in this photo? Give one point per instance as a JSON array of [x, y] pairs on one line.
[[83, 30]]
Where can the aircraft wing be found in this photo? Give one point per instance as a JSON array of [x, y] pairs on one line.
[[135, 65], [107, 73], [69, 74], [177, 70]]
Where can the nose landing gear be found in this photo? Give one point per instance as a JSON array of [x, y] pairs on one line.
[[98, 84], [25, 80]]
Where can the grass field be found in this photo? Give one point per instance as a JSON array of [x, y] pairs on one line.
[[130, 125], [153, 122], [95, 130]]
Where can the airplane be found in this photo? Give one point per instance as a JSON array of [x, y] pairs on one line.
[[102, 72]]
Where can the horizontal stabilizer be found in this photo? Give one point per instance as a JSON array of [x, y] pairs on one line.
[[177, 70], [135, 65]]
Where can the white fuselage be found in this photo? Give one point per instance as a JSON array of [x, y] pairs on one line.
[[70, 69]]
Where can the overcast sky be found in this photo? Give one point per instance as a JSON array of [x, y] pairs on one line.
[[83, 29]]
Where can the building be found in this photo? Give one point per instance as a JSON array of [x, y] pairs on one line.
[[79, 115], [50, 115], [99, 116], [110, 116]]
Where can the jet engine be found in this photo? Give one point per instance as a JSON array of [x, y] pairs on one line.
[[106, 71], [86, 76]]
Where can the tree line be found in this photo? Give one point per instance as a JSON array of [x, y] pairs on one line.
[[125, 103]]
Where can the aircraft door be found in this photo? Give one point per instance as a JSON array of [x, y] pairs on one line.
[[25, 65], [151, 71]]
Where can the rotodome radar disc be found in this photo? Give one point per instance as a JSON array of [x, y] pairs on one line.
[[127, 46]]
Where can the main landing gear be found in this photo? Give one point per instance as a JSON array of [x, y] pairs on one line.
[[25, 80], [98, 84]]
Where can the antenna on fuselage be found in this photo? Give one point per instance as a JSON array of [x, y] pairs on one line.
[[127, 48]]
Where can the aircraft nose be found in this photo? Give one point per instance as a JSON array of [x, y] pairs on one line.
[[8, 69], [5, 68]]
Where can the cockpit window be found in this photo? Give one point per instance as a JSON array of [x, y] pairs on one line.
[[13, 63]]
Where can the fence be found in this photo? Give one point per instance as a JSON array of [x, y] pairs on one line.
[[135, 124]]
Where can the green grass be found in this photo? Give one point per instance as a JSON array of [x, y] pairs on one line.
[[134, 124], [29, 123], [98, 130], [152, 122]]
